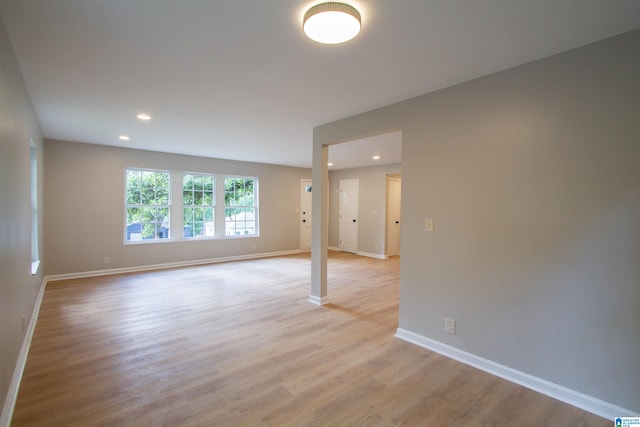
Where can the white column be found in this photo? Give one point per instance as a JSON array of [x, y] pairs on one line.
[[320, 225]]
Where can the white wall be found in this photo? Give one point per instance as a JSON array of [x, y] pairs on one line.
[[18, 288], [85, 207], [371, 206], [533, 178]]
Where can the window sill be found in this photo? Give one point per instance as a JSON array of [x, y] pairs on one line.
[[35, 265], [190, 239], [147, 242]]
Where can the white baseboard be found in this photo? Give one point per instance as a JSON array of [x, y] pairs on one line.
[[167, 265], [372, 255], [564, 394], [318, 300], [12, 394], [360, 253]]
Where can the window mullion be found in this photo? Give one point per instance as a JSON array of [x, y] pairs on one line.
[[175, 207], [220, 206]]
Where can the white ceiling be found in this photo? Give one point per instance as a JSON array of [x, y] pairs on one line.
[[237, 79], [359, 153]]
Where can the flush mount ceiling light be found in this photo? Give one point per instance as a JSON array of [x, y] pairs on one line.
[[144, 116], [331, 22]]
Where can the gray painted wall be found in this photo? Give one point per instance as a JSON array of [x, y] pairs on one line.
[[85, 207], [371, 199], [18, 289], [533, 178]]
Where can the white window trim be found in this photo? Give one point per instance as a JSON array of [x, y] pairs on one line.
[[35, 236], [176, 213], [125, 205], [256, 192], [214, 207]]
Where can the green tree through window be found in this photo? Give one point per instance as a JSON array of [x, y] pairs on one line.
[[240, 206], [147, 204], [198, 202]]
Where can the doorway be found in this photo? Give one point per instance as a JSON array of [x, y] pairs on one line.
[[393, 215], [305, 215], [348, 229]]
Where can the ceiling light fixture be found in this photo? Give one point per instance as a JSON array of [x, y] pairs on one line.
[[332, 22], [376, 157], [143, 116], [329, 164], [124, 137]]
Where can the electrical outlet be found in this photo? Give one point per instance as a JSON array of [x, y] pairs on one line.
[[450, 326], [428, 225], [107, 260]]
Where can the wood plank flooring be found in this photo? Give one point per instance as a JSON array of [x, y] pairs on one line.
[[238, 344]]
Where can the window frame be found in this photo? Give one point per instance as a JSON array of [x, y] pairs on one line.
[[168, 206], [254, 206], [175, 211], [211, 206], [33, 187]]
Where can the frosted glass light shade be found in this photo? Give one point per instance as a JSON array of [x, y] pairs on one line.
[[332, 23]]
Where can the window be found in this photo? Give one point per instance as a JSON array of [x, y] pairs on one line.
[[198, 204], [147, 205], [35, 256], [149, 214], [240, 206]]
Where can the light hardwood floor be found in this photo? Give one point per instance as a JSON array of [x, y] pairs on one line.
[[238, 344]]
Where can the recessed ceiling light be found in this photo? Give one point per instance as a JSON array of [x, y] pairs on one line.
[[376, 157], [329, 164], [124, 137], [143, 116], [331, 22]]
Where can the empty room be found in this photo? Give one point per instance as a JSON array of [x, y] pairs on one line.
[[290, 213]]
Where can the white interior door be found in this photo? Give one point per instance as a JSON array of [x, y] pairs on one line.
[[348, 230], [305, 215], [393, 216]]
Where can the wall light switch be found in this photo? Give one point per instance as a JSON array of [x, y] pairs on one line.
[[428, 224]]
